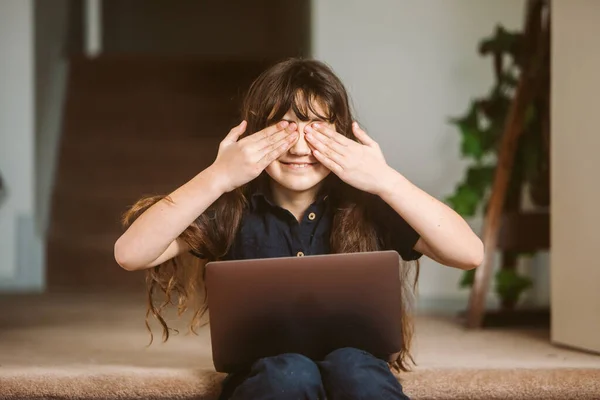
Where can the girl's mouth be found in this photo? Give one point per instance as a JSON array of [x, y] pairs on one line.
[[294, 165]]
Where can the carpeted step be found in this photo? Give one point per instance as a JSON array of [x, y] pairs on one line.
[[94, 346], [125, 383]]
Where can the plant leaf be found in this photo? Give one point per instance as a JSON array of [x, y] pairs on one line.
[[501, 41], [468, 278], [480, 178], [510, 285], [471, 144], [465, 200]]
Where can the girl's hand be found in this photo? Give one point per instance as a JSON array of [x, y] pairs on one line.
[[240, 161], [358, 164]]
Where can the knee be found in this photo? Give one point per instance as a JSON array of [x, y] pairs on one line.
[[349, 356], [290, 373], [350, 364], [361, 373]]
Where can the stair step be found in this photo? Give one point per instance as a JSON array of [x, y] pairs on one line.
[[144, 176], [87, 212], [164, 93], [115, 72], [95, 161], [103, 242], [113, 124], [70, 264], [118, 193]]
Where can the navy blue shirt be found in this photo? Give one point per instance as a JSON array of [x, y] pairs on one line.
[[268, 230]]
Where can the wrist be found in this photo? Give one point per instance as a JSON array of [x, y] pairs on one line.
[[389, 181], [216, 180]]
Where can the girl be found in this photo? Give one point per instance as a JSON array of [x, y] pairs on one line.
[[296, 177]]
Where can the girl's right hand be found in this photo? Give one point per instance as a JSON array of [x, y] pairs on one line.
[[240, 161]]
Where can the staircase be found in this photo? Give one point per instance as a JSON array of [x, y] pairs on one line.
[[133, 125]]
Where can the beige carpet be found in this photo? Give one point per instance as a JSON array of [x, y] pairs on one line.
[[93, 347]]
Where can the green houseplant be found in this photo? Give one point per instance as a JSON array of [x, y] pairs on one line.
[[481, 129]]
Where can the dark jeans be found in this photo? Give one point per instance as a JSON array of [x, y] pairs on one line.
[[344, 374]]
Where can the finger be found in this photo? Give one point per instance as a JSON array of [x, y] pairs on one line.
[[362, 135], [275, 150], [292, 127], [274, 139], [316, 137], [331, 134], [277, 136], [328, 162], [235, 132], [327, 152], [268, 131]]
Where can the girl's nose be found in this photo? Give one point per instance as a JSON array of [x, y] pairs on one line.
[[301, 148]]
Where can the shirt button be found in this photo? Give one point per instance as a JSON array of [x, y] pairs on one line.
[[311, 216], [300, 254]]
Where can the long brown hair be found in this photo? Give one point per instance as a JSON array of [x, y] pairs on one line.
[[298, 85]]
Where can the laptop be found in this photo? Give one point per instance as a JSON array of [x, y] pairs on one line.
[[309, 305]]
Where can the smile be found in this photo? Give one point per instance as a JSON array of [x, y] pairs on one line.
[[298, 165]]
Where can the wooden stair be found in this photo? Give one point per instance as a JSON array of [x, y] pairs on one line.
[[133, 125]]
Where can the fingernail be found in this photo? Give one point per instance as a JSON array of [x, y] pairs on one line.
[[315, 125], [308, 136], [283, 124]]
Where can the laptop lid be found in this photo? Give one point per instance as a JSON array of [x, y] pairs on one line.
[[309, 305]]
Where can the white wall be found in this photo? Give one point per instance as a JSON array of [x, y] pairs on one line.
[[575, 167], [409, 65], [16, 125]]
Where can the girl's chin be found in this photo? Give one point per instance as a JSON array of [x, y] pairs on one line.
[[299, 182]]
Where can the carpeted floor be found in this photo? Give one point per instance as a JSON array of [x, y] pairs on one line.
[[93, 347]]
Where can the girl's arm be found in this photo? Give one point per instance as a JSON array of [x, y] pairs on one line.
[[445, 235], [152, 237]]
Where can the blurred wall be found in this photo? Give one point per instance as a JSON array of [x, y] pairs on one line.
[[226, 29], [50, 86], [409, 66], [575, 168], [32, 86], [17, 130]]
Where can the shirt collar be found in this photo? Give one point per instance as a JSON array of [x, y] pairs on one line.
[[262, 195]]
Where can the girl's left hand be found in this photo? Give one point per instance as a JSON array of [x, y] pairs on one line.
[[358, 164]]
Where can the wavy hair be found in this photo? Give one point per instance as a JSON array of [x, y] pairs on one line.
[[295, 84]]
